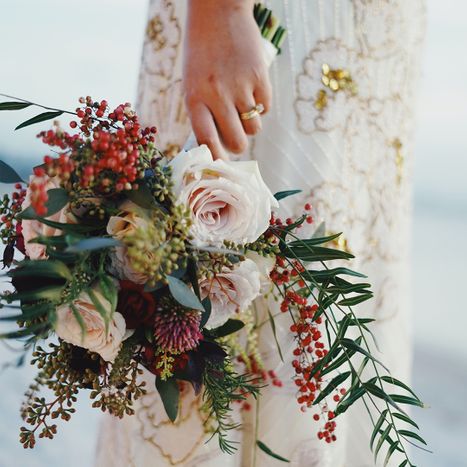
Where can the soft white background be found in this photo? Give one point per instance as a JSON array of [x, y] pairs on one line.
[[52, 51]]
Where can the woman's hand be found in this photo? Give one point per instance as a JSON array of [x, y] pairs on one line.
[[224, 73]]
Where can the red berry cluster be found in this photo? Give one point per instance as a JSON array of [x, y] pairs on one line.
[[38, 196], [106, 157], [310, 349], [117, 139]]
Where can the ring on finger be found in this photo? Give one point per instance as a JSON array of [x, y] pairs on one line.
[[256, 111]]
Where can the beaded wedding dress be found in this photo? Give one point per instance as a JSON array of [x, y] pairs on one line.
[[340, 130]]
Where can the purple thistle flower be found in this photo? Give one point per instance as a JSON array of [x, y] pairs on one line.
[[177, 331]]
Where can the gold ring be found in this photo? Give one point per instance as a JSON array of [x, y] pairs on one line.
[[257, 110]]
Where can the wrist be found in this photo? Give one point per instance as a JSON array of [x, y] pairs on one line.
[[220, 6]]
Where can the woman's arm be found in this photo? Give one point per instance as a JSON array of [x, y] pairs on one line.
[[224, 73]]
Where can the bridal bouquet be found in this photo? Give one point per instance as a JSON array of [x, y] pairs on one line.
[[122, 261]]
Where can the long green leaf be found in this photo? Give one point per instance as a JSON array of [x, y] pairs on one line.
[[396, 382], [49, 268], [405, 419], [79, 319], [274, 333], [14, 105], [40, 118], [406, 400], [355, 300], [378, 392], [382, 439], [413, 435], [44, 293], [100, 309], [390, 452], [284, 194], [350, 344], [316, 253], [334, 384], [109, 290], [378, 426], [269, 452], [352, 397], [319, 276], [311, 242]]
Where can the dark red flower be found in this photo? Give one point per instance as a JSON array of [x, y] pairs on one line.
[[19, 238], [136, 305]]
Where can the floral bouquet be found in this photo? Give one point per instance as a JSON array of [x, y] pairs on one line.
[[124, 262]]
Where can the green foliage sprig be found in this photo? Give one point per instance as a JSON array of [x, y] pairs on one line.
[[222, 386]]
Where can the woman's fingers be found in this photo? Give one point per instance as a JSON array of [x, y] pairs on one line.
[[229, 125], [205, 129]]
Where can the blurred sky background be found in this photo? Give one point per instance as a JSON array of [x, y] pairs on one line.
[[52, 51]]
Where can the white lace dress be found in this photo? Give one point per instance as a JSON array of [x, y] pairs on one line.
[[341, 130]]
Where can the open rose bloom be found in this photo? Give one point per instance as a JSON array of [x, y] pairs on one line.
[[228, 201]]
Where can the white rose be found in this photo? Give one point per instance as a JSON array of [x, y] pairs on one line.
[[265, 265], [231, 291], [34, 228], [95, 339], [126, 223], [228, 200]]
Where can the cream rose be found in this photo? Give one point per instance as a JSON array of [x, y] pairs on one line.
[[231, 291], [96, 339], [228, 199], [33, 228], [126, 223]]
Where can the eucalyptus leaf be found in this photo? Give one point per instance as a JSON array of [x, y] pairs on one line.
[[57, 199], [40, 118], [183, 294], [206, 313], [143, 197], [92, 244], [8, 174], [170, 395]]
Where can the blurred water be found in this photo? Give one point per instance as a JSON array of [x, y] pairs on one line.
[[94, 48]]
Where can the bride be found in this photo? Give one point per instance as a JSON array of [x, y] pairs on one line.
[[338, 117]]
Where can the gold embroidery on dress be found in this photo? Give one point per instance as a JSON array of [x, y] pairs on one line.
[[155, 32], [399, 159]]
